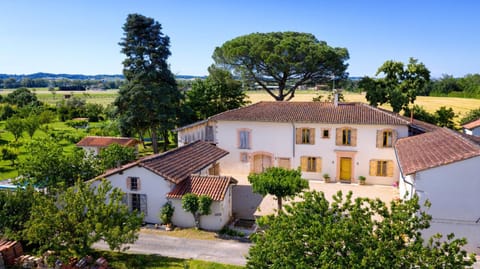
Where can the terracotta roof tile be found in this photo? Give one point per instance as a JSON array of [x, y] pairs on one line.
[[213, 186], [432, 149], [318, 112], [105, 141], [472, 125], [177, 164]]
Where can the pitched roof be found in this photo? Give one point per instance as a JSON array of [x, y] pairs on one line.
[[104, 141], [433, 149], [308, 112], [472, 125], [213, 186], [177, 164]]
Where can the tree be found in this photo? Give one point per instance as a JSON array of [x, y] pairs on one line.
[[420, 113], [31, 124], [471, 115], [149, 100], [16, 126], [15, 209], [398, 85], [22, 97], [219, 92], [444, 117], [347, 233], [285, 60], [278, 181], [115, 155], [197, 205], [72, 221], [9, 154]]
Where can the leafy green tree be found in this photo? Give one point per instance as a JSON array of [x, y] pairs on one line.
[[219, 92], [94, 112], [197, 205], [16, 126], [285, 60], [347, 233], [444, 117], [31, 124], [7, 112], [22, 97], [149, 100], [420, 113], [166, 213], [278, 181], [399, 84], [471, 115], [15, 210], [115, 155], [72, 221], [9, 154]]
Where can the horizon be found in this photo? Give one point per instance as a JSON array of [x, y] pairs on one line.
[[81, 37]]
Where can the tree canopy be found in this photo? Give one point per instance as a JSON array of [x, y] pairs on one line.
[[278, 181], [197, 205], [399, 84], [219, 92], [347, 233], [149, 100], [284, 60]]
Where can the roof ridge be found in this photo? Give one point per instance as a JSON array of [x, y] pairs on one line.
[[463, 138], [386, 112]]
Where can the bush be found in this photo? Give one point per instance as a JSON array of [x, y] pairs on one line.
[[166, 213], [230, 232]]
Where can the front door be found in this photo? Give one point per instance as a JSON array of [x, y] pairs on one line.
[[261, 162], [345, 169]]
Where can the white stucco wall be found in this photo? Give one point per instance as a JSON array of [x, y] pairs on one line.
[[220, 216], [453, 190], [406, 186], [278, 139], [154, 186]]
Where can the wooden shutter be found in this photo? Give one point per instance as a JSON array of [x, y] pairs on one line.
[[312, 136], [394, 137], [373, 167], [129, 183], [379, 138], [143, 204], [304, 163], [339, 135], [353, 137], [318, 165], [298, 135], [125, 199], [138, 184], [390, 168]]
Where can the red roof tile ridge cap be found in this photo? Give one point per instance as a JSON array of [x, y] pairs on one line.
[[235, 109], [168, 152], [386, 112]]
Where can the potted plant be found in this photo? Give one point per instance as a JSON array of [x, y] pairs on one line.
[[166, 215], [326, 177], [361, 180]]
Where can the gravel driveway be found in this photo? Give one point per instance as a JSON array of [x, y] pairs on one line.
[[222, 251]]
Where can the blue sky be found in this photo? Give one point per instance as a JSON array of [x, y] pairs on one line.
[[81, 36]]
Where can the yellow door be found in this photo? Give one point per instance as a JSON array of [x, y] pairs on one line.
[[345, 169]]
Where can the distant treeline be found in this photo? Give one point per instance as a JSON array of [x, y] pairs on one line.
[[61, 84]]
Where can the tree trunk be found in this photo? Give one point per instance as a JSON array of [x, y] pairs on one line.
[[279, 203], [154, 140], [166, 142], [196, 217]]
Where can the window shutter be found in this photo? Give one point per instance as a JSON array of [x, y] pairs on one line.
[[125, 199], [318, 165], [394, 137], [138, 184], [338, 139], [304, 163], [390, 168], [129, 183], [353, 137], [379, 138], [373, 167], [298, 135], [312, 136], [143, 204]]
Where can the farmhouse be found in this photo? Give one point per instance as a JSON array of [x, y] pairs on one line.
[[442, 166], [152, 181], [95, 144], [472, 128], [344, 140]]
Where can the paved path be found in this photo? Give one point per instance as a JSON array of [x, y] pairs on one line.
[[222, 251]]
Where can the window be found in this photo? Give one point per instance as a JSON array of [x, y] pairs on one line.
[[381, 168], [244, 157], [387, 139], [138, 202], [284, 163], [325, 133], [214, 170], [244, 139], [133, 183], [209, 133], [311, 164], [346, 137], [305, 136]]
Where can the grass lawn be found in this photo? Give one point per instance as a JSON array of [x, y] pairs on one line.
[[120, 260]]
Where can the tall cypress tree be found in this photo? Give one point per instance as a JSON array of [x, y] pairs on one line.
[[149, 100]]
